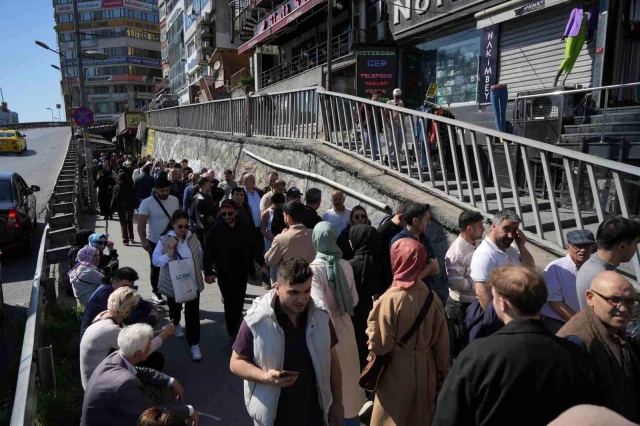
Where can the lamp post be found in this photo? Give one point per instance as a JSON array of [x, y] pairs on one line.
[[6, 113], [52, 120], [67, 107]]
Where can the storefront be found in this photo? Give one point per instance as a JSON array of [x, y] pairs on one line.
[[466, 46]]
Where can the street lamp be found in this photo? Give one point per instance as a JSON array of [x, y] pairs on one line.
[[52, 120], [90, 54], [69, 106]]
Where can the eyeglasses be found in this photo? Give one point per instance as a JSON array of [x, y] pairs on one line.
[[359, 216], [227, 214], [102, 243], [617, 302], [579, 247], [182, 226]]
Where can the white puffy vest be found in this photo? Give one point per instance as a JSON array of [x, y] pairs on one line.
[[268, 350]]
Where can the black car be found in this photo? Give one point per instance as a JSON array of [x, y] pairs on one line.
[[18, 215]]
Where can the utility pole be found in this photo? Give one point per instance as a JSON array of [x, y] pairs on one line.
[[83, 101], [329, 41]]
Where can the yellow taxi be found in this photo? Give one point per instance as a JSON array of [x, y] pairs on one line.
[[12, 141]]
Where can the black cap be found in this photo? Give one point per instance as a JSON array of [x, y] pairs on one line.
[[580, 237], [294, 192]]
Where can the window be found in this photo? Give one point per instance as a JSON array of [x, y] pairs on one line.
[[65, 17], [85, 16], [66, 37], [69, 54], [120, 89], [102, 107], [64, 1], [451, 62], [100, 90]]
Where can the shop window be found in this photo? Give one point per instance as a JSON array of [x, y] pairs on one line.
[[451, 62]]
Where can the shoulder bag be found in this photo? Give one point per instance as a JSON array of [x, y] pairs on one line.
[[372, 372], [169, 225]]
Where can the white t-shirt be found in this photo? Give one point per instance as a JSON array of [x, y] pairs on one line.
[[488, 257], [339, 221], [157, 220]]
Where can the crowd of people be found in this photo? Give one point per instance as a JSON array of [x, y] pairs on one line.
[[343, 297]]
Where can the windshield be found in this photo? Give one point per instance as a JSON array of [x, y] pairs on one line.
[[7, 134], [6, 193]]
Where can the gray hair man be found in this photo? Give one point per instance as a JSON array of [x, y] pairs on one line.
[[116, 392]]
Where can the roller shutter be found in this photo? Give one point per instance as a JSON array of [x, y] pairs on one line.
[[531, 52]]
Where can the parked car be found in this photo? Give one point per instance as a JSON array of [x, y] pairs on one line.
[[18, 215], [12, 141]]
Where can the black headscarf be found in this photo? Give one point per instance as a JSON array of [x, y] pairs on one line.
[[366, 266]]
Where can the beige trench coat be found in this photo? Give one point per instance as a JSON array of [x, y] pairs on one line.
[[408, 388]]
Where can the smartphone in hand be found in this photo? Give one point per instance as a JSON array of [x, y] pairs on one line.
[[285, 373]]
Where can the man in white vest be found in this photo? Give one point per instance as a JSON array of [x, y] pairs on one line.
[[285, 352]]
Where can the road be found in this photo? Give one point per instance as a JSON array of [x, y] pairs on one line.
[[40, 166]]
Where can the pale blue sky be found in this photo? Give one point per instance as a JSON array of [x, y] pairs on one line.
[[27, 80]]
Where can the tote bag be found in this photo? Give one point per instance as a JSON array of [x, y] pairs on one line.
[[183, 279]]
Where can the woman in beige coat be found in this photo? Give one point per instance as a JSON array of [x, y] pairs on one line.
[[407, 391]]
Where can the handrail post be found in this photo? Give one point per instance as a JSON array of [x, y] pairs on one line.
[[247, 116], [604, 114]]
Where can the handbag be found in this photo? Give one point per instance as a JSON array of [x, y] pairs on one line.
[[183, 279], [372, 372]]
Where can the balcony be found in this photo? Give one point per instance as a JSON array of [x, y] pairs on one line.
[[308, 59]]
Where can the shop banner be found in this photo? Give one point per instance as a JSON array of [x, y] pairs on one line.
[[534, 6], [114, 60], [283, 15], [111, 3], [488, 70], [151, 137], [97, 78], [376, 71], [82, 7], [139, 5]]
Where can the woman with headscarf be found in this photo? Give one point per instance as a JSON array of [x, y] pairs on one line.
[[108, 262], [358, 216], [367, 273], [85, 276], [333, 289], [407, 390]]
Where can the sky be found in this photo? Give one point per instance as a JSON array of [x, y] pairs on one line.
[[28, 82]]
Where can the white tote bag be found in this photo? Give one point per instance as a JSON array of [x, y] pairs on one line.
[[183, 279]]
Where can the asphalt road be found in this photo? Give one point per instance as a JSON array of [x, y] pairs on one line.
[[40, 166]]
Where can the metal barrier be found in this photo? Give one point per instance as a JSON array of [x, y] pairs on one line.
[[35, 125], [63, 217], [474, 167]]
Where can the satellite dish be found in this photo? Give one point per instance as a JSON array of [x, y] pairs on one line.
[[217, 65], [190, 10]]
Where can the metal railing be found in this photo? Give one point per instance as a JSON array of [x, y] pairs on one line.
[[35, 125], [63, 217], [234, 80], [308, 59], [471, 166], [596, 101]]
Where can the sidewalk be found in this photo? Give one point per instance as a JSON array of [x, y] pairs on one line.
[[209, 386]]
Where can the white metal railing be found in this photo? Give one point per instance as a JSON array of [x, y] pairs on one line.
[[474, 167], [524, 107]]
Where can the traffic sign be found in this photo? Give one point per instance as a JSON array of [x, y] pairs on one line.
[[83, 116]]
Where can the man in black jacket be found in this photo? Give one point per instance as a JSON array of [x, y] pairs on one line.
[[230, 250], [144, 183], [522, 374], [204, 209], [312, 201]]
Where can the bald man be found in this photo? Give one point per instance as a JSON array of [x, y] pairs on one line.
[[600, 330], [338, 215]]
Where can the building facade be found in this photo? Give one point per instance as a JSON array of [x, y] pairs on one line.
[[9, 117], [128, 31]]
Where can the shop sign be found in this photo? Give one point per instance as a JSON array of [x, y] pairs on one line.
[[111, 3], [431, 93], [114, 60], [534, 6], [407, 14], [106, 117], [100, 98], [141, 95], [82, 6], [139, 5], [98, 78], [283, 15], [488, 70], [376, 71], [151, 136]]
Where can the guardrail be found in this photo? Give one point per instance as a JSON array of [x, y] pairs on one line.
[[63, 217], [474, 167]]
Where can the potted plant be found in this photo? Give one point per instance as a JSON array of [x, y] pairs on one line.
[[247, 83]]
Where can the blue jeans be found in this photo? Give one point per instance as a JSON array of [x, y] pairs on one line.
[[422, 152], [374, 141], [273, 270], [499, 97], [354, 421]]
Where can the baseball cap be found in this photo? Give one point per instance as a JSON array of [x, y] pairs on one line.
[[294, 192], [230, 204], [580, 237]]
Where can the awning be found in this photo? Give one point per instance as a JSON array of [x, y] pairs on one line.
[[292, 15], [512, 9]]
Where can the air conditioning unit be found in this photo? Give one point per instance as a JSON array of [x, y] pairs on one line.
[[546, 107]]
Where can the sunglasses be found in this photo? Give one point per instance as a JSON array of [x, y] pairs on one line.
[[102, 243], [182, 226], [227, 214], [359, 216]]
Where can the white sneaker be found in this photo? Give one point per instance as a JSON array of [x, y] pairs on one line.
[[365, 413], [196, 355], [157, 299], [179, 332]]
